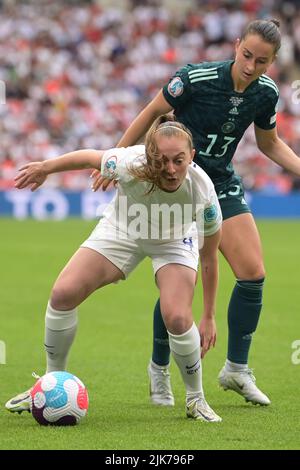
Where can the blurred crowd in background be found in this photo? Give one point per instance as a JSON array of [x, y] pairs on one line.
[[77, 73]]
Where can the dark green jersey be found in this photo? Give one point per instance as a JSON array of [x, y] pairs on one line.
[[204, 99]]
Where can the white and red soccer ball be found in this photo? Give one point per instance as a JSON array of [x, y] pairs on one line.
[[59, 398]]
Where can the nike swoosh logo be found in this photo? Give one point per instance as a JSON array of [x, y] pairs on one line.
[[191, 367], [15, 402]]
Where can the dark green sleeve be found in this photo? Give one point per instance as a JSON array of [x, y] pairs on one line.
[[178, 91], [266, 113]]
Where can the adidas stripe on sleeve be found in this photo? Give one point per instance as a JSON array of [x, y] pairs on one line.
[[266, 113]]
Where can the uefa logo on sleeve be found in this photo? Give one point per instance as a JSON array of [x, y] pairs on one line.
[[111, 165], [175, 87]]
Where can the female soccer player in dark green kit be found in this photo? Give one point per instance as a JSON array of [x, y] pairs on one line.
[[217, 102]]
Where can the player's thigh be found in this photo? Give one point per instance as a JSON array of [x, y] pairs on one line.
[[241, 246], [124, 252], [103, 258], [183, 252], [86, 271]]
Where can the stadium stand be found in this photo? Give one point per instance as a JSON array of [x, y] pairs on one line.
[[76, 74]]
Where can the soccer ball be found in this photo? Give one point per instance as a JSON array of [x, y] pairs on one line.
[[59, 398]]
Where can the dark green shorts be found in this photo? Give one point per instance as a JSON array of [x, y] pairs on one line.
[[231, 198]]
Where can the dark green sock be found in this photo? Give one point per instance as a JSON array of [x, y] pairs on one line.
[[243, 315], [161, 349]]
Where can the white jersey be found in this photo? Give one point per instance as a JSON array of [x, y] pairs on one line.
[[159, 215]]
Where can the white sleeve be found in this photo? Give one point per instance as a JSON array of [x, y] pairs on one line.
[[212, 215], [208, 214], [115, 162]]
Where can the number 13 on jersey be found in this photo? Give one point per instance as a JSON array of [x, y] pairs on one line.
[[213, 138]]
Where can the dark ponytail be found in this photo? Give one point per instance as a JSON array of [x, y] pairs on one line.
[[268, 30]]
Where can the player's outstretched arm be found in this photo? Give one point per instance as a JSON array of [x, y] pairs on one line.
[[34, 174], [210, 276], [278, 151]]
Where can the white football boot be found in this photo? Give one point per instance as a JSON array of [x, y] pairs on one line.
[[199, 409], [243, 382], [160, 385], [21, 402]]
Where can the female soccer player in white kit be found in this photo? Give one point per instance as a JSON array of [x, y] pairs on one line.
[[154, 181]]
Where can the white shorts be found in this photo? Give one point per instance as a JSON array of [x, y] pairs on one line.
[[127, 253]]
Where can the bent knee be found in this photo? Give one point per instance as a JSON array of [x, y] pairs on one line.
[[252, 273], [257, 274], [177, 322], [64, 297]]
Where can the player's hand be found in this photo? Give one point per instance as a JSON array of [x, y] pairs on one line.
[[31, 174], [208, 334], [100, 182]]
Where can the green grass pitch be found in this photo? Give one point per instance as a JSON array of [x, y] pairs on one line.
[[113, 345]]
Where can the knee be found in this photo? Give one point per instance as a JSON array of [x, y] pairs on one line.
[[253, 272], [63, 297], [176, 321], [258, 273]]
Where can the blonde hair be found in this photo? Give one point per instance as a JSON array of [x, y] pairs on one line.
[[150, 171]]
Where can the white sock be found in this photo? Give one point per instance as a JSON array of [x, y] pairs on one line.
[[60, 330], [187, 354], [234, 366]]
